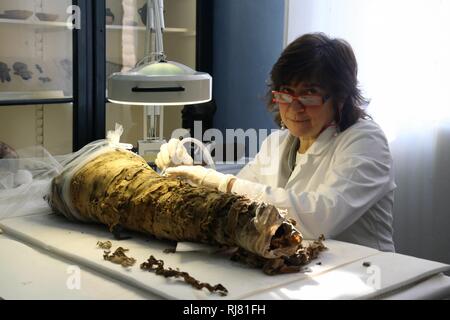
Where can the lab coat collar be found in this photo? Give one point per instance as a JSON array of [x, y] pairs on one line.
[[322, 142]]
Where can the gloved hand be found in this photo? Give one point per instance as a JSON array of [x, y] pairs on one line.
[[171, 154], [199, 175]]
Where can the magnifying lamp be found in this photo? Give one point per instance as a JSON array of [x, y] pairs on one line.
[[157, 82]]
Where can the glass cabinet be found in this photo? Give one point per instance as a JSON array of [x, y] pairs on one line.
[[53, 77], [36, 72]]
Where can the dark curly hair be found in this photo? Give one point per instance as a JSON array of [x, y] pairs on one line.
[[316, 58]]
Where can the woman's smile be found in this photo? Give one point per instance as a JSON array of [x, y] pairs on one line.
[[298, 120]]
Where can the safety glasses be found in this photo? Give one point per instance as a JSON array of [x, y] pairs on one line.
[[310, 100]]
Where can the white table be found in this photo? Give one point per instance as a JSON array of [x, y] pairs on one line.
[[28, 272]]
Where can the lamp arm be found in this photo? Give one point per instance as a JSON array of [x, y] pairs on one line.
[[158, 11], [161, 14], [149, 27]]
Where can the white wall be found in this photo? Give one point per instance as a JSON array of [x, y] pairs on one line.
[[403, 52]]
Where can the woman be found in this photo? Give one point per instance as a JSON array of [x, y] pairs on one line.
[[331, 169]]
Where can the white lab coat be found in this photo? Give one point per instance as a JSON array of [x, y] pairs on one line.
[[342, 187]]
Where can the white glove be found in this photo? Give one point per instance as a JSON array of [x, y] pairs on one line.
[[173, 153], [199, 175]]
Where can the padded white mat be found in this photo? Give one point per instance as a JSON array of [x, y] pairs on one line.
[[77, 242]]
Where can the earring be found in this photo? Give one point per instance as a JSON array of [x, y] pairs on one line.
[[282, 125]]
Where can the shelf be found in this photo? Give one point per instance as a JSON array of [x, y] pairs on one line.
[[56, 24], [142, 28], [28, 102], [32, 22], [34, 97], [41, 94]]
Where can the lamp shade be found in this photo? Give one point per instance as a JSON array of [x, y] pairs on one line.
[[160, 83]]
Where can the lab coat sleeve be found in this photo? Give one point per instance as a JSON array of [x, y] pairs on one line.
[[360, 176], [250, 171]]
